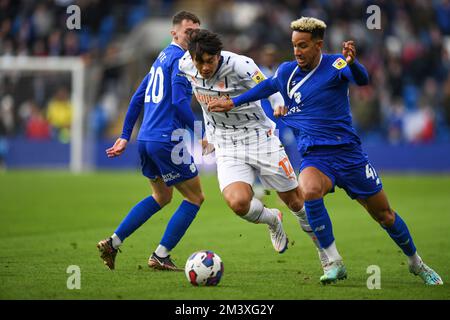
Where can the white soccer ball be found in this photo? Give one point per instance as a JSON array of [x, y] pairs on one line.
[[204, 268]]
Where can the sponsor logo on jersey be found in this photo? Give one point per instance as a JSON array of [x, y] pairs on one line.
[[339, 63], [206, 98], [257, 76], [192, 167]]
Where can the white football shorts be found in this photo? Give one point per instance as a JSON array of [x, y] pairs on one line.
[[265, 159]]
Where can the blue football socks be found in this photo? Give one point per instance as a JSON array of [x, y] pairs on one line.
[[320, 222], [400, 234], [178, 224], [137, 216]]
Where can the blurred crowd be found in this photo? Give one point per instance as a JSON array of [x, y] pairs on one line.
[[37, 105], [408, 59]]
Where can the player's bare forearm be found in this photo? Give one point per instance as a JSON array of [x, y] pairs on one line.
[[117, 149]]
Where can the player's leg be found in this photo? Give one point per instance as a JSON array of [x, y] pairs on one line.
[[239, 197], [178, 223], [184, 177], [141, 212], [378, 207], [294, 200], [314, 185], [282, 178]]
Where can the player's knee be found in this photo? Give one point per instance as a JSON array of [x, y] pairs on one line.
[[295, 205], [162, 199], [197, 199], [239, 205], [386, 217], [313, 192]]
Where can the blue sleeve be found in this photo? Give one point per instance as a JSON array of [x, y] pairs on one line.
[[181, 97], [134, 109], [355, 73], [262, 90]]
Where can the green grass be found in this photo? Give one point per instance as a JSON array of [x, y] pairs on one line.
[[50, 220]]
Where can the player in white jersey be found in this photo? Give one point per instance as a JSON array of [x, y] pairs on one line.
[[243, 138]]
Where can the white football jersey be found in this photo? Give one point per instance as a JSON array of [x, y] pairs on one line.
[[235, 75]]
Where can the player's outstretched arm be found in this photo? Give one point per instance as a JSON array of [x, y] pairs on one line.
[[134, 109], [355, 72], [117, 149]]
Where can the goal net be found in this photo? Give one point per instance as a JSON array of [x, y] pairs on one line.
[[42, 114]]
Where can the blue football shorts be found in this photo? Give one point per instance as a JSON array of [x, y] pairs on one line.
[[347, 166], [168, 160]]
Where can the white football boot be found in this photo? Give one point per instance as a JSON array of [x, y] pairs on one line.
[[277, 234]]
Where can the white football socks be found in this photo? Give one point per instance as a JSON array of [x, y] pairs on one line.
[[304, 224], [116, 242], [259, 214], [332, 253], [415, 261], [162, 251]]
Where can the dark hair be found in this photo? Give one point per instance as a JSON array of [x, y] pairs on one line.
[[203, 41], [318, 34], [184, 15]]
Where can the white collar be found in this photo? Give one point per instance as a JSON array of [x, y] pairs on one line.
[[294, 89]]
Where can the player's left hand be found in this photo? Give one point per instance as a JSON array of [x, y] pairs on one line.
[[349, 51], [280, 111], [207, 147], [223, 104], [117, 149]]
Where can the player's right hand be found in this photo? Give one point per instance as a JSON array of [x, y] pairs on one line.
[[280, 111], [117, 149]]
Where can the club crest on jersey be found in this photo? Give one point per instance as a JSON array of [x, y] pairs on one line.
[[257, 76], [221, 84], [298, 97], [339, 63]]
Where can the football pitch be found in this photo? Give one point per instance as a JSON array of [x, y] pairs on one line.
[[52, 220]]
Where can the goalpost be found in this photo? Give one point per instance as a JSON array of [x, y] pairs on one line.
[[76, 67]]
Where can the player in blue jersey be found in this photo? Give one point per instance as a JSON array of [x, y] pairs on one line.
[[315, 89], [165, 99]]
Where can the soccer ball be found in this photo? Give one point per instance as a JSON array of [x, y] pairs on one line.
[[204, 268]]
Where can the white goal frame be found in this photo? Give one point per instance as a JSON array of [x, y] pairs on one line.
[[74, 65]]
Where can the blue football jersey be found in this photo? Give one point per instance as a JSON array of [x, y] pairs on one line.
[[155, 96], [318, 102]]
